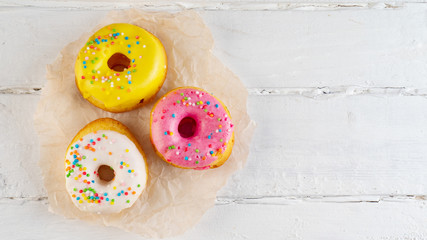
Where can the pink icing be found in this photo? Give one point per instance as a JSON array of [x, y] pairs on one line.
[[212, 131]]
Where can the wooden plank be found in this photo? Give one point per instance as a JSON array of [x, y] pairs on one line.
[[20, 175], [354, 145], [323, 48], [31, 39], [298, 220], [343, 145], [363, 47]]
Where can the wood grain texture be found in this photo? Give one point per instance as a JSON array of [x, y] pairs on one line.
[[354, 145], [292, 49], [337, 90], [299, 220]]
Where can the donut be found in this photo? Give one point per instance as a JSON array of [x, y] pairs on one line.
[[121, 67], [105, 167], [190, 128]]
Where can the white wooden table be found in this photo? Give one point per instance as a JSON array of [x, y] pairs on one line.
[[338, 92]]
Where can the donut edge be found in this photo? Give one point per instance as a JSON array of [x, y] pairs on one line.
[[112, 125], [223, 157]]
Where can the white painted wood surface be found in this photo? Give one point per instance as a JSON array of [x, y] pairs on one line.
[[338, 92]]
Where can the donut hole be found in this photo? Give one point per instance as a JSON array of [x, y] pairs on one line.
[[118, 62], [187, 127], [106, 173]]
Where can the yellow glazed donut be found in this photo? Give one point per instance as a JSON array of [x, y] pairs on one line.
[[121, 67]]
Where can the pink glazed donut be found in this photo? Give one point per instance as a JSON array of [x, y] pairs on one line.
[[190, 128]]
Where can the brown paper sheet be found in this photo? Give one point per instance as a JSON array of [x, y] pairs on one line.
[[175, 199]]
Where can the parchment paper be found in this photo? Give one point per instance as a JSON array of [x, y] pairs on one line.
[[175, 199]]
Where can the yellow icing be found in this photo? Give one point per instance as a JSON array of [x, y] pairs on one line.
[[120, 91]]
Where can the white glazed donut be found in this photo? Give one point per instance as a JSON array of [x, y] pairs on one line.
[[105, 168]]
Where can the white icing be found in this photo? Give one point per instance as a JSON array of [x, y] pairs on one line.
[[132, 159]]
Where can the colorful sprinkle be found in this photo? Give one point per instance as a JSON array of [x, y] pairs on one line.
[[77, 171]]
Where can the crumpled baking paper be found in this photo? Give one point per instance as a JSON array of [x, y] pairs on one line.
[[175, 199]]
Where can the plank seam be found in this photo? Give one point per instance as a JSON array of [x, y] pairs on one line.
[[337, 91], [20, 90], [284, 200], [310, 92], [202, 5]]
